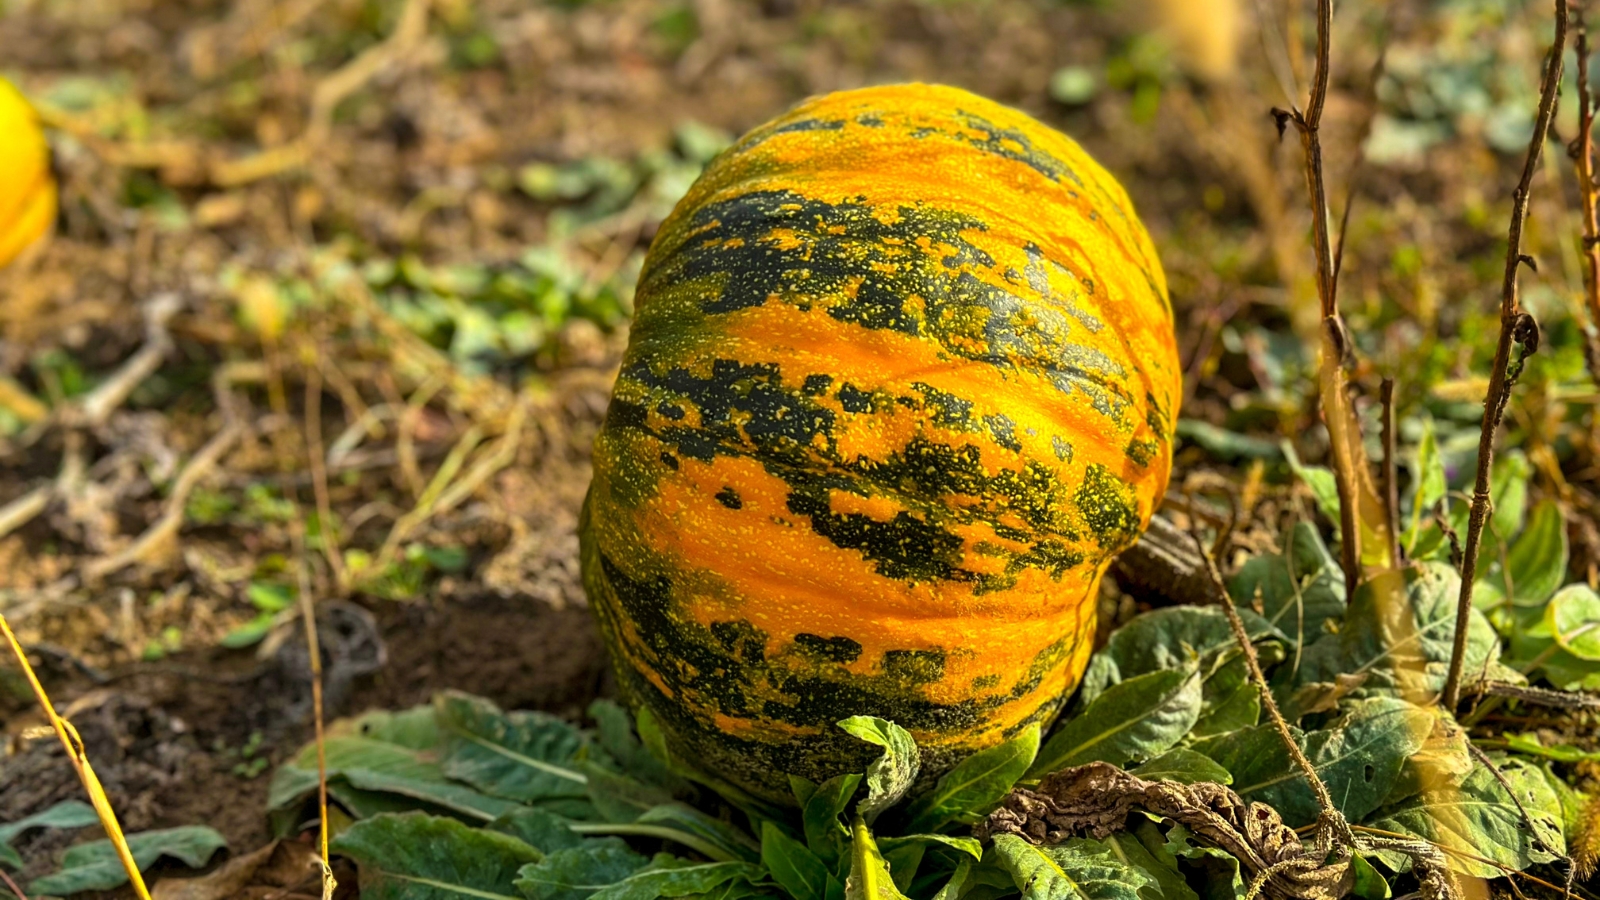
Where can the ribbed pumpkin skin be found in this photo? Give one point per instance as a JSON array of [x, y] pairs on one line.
[[901, 381], [27, 189]]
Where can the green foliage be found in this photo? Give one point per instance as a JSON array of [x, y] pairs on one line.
[[95, 866], [414, 856], [66, 814]]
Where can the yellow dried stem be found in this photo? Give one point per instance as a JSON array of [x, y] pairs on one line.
[[73, 744]]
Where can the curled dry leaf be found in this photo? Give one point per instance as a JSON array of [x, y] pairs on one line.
[[1096, 799]]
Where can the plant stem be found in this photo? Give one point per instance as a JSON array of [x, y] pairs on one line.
[[1358, 504], [1330, 813], [1391, 481], [1582, 152], [1516, 327]]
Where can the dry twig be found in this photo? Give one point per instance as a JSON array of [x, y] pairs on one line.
[[1582, 151], [1361, 513], [1517, 328]]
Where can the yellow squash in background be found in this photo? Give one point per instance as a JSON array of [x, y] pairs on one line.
[[27, 188], [901, 382]]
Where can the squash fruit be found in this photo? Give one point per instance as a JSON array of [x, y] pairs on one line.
[[902, 380], [27, 188]]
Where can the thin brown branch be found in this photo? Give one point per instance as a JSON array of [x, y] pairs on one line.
[[1360, 509], [1391, 480], [1582, 152], [1516, 328], [1332, 820]]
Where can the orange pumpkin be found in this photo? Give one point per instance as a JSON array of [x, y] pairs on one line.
[[901, 382], [27, 189]]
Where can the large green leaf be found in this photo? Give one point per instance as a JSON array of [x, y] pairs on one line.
[[1397, 637], [529, 757], [580, 872], [1222, 877], [891, 775], [713, 838], [614, 726], [795, 867], [976, 784], [1359, 758], [679, 879], [826, 835], [621, 798], [383, 768], [1183, 765], [1131, 721], [1534, 566], [1299, 591], [539, 828], [1080, 869], [416, 728], [1573, 617], [66, 814], [1169, 638], [1479, 819], [413, 856], [869, 877], [95, 866], [1149, 856]]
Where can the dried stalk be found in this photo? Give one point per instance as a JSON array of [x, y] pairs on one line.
[[1391, 480], [1332, 822], [1517, 327], [1360, 510], [1582, 152]]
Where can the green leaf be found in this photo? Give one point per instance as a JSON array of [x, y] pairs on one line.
[[954, 888], [1324, 487], [1359, 758], [1299, 591], [1168, 638], [1369, 884], [977, 784], [66, 814], [580, 872], [416, 728], [1508, 484], [384, 768], [825, 834], [1534, 567], [1131, 721], [1429, 475], [95, 866], [1080, 869], [891, 775], [413, 856], [1184, 766], [529, 757], [1167, 881], [679, 881], [538, 828], [615, 728], [869, 876], [654, 740], [1479, 819], [713, 838], [1532, 746], [1221, 868], [619, 798], [1403, 647], [968, 845], [794, 867], [1574, 620]]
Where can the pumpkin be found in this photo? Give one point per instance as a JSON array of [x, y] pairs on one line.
[[901, 381], [27, 189]]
